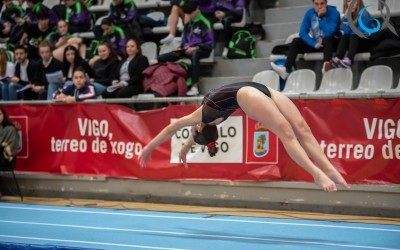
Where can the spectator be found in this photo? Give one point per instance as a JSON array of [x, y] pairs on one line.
[[130, 78], [49, 65], [10, 16], [197, 42], [36, 33], [124, 14], [62, 38], [105, 68], [207, 8], [78, 16], [35, 9], [80, 90], [114, 34], [6, 72], [26, 72], [350, 41], [318, 29], [8, 139], [71, 61], [228, 12]]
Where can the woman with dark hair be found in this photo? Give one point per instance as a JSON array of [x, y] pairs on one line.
[[8, 138], [268, 106], [105, 68], [71, 61], [129, 81]]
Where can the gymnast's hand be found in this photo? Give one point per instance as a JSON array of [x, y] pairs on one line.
[[182, 155], [145, 156]]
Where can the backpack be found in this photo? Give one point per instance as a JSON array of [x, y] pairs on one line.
[[242, 45]]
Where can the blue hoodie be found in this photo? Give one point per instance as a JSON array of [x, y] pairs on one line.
[[328, 24]]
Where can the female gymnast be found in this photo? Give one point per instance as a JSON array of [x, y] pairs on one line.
[[270, 107]]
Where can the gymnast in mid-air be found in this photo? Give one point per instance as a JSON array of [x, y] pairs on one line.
[[265, 105]]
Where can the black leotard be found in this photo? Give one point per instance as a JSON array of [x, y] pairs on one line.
[[222, 102]]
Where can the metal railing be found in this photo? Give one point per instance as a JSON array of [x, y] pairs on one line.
[[198, 99]]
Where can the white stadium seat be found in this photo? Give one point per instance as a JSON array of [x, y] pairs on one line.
[[336, 80], [267, 77], [300, 81], [376, 79]]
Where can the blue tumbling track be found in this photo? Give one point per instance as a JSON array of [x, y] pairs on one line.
[[24, 226]]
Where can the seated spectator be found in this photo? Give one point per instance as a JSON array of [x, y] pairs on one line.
[[8, 139], [124, 14], [318, 29], [49, 65], [114, 34], [349, 41], [228, 12], [79, 91], [207, 8], [130, 78], [197, 43], [78, 16], [6, 72], [9, 25], [35, 8], [105, 68], [61, 38], [71, 61], [36, 33], [26, 73]]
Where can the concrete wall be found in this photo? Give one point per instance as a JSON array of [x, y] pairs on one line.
[[372, 200]]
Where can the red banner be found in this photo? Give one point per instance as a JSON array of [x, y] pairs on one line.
[[360, 137]]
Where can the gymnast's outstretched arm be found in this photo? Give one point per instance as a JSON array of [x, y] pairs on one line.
[[167, 133]]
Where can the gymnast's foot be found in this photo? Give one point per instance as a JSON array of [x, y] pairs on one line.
[[335, 176], [325, 183]]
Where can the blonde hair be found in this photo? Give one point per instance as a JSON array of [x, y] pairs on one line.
[[354, 15]]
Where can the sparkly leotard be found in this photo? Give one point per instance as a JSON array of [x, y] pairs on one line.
[[222, 102]]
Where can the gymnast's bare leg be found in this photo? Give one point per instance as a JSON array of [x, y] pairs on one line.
[[263, 109], [305, 136]]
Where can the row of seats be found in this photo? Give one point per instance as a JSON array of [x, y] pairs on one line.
[[375, 79]]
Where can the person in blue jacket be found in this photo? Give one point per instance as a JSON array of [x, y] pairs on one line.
[[349, 41], [318, 32]]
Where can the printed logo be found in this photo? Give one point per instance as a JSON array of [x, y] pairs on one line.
[[379, 26], [262, 144]]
